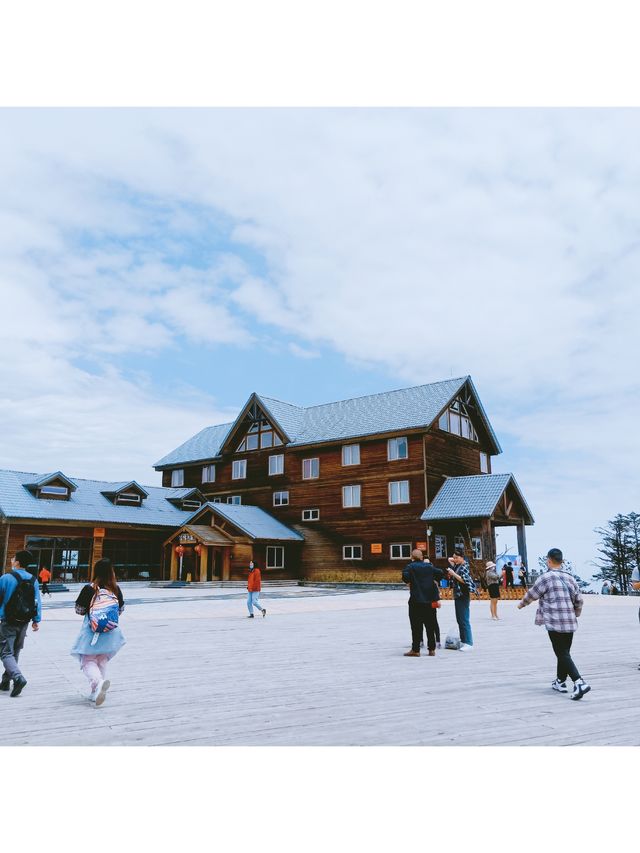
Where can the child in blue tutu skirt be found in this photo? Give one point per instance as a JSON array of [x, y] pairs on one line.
[[101, 603]]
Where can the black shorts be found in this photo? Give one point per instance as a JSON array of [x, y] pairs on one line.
[[494, 590]]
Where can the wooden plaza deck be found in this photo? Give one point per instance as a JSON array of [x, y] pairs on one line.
[[324, 669]]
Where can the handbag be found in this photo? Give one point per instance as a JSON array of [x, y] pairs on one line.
[[435, 604]]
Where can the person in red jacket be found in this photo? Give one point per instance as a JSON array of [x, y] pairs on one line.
[[253, 586], [45, 577]]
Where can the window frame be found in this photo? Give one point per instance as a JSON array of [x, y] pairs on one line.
[[390, 490], [393, 442], [311, 459], [484, 462], [477, 552], [393, 545], [439, 540], [350, 447], [282, 503], [352, 546], [234, 500], [274, 548], [352, 505], [206, 471], [179, 471], [53, 491], [271, 458], [243, 464], [317, 518]]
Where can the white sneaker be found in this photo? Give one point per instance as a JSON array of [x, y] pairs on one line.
[[101, 692], [580, 688], [465, 647], [560, 686]]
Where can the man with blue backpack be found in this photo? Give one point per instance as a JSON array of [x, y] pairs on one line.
[[19, 604]]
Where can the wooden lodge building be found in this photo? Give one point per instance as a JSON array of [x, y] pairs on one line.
[[361, 482], [337, 492]]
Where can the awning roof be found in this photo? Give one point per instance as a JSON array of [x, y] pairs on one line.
[[476, 496]]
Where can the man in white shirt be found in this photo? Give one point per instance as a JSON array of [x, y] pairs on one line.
[[635, 583]]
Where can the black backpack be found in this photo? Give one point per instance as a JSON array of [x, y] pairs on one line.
[[21, 607]]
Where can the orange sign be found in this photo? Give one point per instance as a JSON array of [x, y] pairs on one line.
[[376, 548], [98, 532], [421, 545]]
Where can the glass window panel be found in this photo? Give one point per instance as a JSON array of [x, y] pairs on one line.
[[443, 423], [454, 422], [266, 439]]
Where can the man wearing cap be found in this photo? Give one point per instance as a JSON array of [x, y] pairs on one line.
[[422, 577], [559, 605], [463, 586]]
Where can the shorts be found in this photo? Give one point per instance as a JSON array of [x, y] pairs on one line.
[[494, 590]]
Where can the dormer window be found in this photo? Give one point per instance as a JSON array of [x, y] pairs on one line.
[[53, 487], [53, 492], [129, 498], [191, 504]]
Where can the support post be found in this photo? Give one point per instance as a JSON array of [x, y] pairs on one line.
[[174, 564], [226, 563], [522, 543], [204, 561]]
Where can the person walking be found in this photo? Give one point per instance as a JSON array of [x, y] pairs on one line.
[[254, 585], [559, 605], [463, 585], [20, 603], [424, 599], [45, 577], [493, 585], [95, 649], [509, 574]]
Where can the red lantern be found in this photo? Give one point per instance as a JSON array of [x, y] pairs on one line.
[[198, 549], [179, 550]]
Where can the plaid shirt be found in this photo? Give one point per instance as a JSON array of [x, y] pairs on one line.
[[559, 601], [460, 590]]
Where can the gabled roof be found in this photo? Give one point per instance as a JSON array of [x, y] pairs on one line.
[[476, 496], [117, 488], [45, 479], [392, 411], [255, 522], [185, 494], [87, 503]]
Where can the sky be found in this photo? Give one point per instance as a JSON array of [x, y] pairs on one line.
[[157, 266]]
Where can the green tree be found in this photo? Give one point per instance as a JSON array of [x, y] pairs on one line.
[[619, 548]]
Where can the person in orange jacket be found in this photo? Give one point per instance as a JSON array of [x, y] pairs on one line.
[[253, 586], [45, 577]]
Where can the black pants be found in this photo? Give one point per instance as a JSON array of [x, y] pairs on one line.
[[561, 643], [45, 588], [422, 615]]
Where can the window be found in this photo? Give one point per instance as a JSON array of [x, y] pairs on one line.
[[484, 463], [281, 498], [177, 478], [276, 464], [216, 501], [129, 498], [399, 492], [441, 547], [209, 474], [350, 496], [310, 469], [352, 552], [476, 545], [310, 514], [58, 491], [351, 454], [397, 448], [239, 469], [234, 499], [458, 541], [187, 505], [260, 433], [458, 419], [401, 552], [275, 557]]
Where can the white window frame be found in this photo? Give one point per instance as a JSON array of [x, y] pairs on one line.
[[392, 449], [398, 483], [281, 502], [400, 545], [351, 547], [348, 452], [476, 547], [207, 472], [236, 500], [177, 478], [58, 491], [311, 460], [484, 462], [440, 546], [349, 490], [276, 461], [129, 499], [274, 550], [239, 465], [306, 515]]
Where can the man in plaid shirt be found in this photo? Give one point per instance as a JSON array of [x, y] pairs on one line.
[[559, 605]]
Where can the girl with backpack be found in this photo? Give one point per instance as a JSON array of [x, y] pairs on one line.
[[101, 603]]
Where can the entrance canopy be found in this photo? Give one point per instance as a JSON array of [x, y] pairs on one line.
[[483, 496]]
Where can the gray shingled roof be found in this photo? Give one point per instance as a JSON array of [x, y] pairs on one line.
[[408, 408], [471, 497], [88, 503], [255, 522]]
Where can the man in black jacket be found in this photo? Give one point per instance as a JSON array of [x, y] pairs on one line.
[[422, 578]]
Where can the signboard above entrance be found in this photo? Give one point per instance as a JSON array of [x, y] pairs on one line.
[[186, 537]]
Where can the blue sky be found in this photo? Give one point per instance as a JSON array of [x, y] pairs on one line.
[[157, 266]]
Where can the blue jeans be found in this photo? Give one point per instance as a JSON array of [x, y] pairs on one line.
[[253, 600], [462, 618]]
